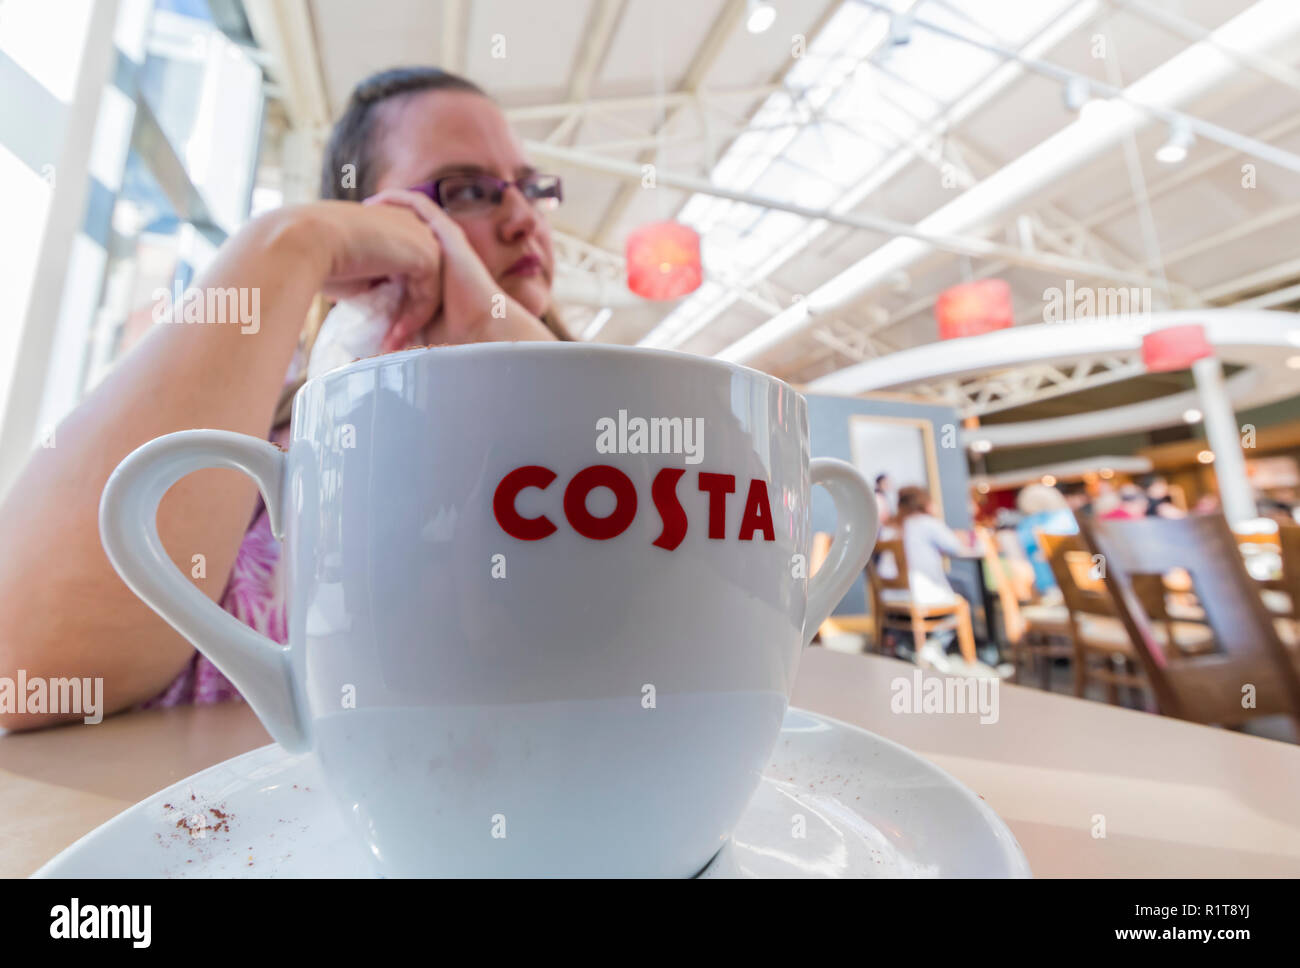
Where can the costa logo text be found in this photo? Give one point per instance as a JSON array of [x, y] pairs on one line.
[[755, 518]]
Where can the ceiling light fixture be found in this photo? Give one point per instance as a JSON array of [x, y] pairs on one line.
[[1077, 92], [1174, 150], [900, 29], [761, 16]]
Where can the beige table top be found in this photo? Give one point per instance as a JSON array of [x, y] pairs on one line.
[[1177, 799]]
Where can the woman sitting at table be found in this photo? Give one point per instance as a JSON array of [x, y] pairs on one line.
[[423, 182], [926, 540]]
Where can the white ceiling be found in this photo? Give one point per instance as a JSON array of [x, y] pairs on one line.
[[702, 47]]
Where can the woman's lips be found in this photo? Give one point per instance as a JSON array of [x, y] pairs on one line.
[[528, 265]]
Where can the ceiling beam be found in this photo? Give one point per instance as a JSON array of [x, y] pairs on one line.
[[1149, 106], [723, 27], [976, 246], [1187, 172], [284, 29], [1262, 279], [546, 112], [1189, 30], [981, 93], [598, 35], [1181, 79], [1239, 230], [455, 24]]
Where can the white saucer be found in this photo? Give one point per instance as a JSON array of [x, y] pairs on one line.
[[866, 807]]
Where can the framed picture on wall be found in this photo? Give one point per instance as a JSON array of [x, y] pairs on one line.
[[902, 448]]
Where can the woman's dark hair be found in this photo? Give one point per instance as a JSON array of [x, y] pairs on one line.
[[912, 500], [352, 142], [356, 132]]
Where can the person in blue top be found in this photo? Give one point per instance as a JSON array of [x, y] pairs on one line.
[[1044, 509]]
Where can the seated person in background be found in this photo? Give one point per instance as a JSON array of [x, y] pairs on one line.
[[1044, 509], [1076, 496], [1159, 503], [1015, 564], [1206, 504], [1133, 504], [926, 540], [884, 502]]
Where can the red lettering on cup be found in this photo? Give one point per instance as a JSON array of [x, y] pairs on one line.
[[671, 513], [503, 503], [758, 513], [575, 502], [755, 519], [718, 486]]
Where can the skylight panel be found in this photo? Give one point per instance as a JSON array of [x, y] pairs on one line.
[[839, 118], [1011, 20]]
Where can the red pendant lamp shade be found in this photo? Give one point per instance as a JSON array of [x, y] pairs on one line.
[[663, 260], [1175, 348], [974, 308]]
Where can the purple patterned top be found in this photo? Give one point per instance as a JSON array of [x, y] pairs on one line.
[[254, 594]]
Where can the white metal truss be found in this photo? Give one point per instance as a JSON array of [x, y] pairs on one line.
[[1045, 237], [594, 276], [1071, 248], [988, 393], [580, 256]]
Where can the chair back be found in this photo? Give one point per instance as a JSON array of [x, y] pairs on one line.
[[1013, 622], [1289, 541], [821, 550], [1076, 573], [894, 548], [1249, 673]]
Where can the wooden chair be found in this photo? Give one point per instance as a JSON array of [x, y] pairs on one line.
[[894, 607], [1100, 647], [842, 624], [1280, 593], [1287, 588], [1248, 672], [1289, 544], [1037, 634]]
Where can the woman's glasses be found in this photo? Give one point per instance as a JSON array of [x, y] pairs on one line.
[[472, 194]]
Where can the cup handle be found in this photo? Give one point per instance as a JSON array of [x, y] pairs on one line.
[[259, 667], [856, 523]]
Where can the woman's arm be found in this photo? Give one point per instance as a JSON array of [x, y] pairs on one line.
[[63, 609], [946, 540]]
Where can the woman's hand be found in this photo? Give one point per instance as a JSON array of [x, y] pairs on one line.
[[368, 244], [473, 307]]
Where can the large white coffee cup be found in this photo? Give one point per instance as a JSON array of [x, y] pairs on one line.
[[545, 601]]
